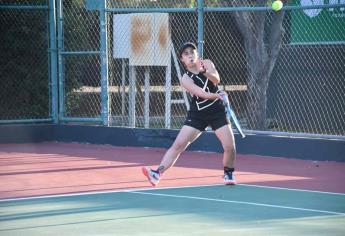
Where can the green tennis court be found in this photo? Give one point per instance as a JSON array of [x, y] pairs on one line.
[[198, 210]]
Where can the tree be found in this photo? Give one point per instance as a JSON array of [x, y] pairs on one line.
[[24, 91], [262, 45]]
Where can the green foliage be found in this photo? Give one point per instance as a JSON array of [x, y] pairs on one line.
[[24, 65]]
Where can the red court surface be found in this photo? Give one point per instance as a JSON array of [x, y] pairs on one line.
[[59, 168]]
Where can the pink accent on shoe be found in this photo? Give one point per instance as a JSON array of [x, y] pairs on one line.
[[153, 181]]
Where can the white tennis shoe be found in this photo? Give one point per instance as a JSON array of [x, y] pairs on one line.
[[152, 176], [229, 178]]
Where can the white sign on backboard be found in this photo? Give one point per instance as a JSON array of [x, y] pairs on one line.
[[143, 38]]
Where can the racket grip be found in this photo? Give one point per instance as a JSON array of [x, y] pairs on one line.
[[225, 99]]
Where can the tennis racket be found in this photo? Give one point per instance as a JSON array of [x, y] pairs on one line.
[[231, 114]]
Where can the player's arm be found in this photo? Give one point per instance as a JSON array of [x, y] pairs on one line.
[[189, 85], [210, 71]]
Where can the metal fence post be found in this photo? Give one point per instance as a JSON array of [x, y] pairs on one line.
[[53, 60], [60, 58], [104, 64]]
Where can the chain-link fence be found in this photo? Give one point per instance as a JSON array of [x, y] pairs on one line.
[[24, 74], [284, 70]]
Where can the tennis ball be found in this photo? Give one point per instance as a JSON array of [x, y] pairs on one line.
[[277, 5]]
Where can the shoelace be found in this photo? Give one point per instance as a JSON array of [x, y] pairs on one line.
[[155, 175], [228, 175]]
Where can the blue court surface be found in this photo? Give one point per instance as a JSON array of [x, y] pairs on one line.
[[195, 210]]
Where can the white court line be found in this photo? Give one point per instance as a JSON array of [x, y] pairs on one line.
[[157, 188], [292, 189], [240, 202]]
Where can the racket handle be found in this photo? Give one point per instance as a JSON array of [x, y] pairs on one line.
[[225, 99]]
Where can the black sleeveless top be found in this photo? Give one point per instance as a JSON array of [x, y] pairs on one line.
[[200, 106]]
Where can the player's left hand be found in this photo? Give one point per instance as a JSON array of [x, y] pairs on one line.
[[222, 94], [201, 66]]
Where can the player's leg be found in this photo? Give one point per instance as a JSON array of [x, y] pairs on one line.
[[226, 137], [186, 136]]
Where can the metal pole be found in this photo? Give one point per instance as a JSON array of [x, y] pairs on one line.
[[53, 61], [131, 95], [104, 64], [147, 98], [123, 88], [168, 96], [60, 59], [201, 28]]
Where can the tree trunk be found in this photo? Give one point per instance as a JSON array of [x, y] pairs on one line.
[[261, 59]]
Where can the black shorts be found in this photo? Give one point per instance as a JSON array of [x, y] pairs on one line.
[[201, 122]]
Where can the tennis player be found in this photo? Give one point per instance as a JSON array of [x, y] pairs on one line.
[[206, 109]]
